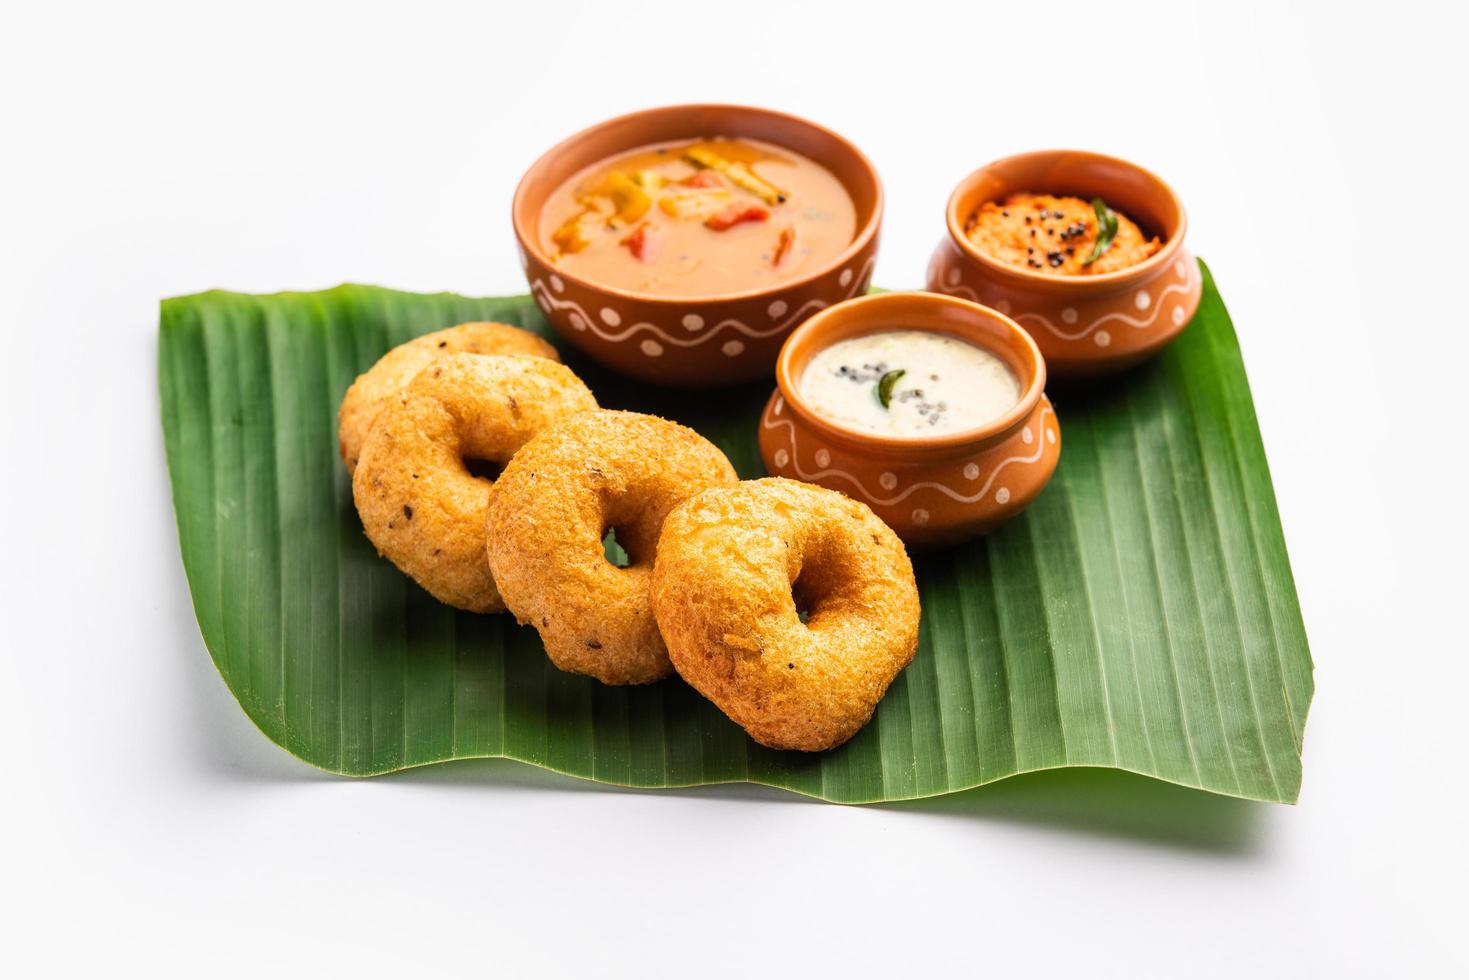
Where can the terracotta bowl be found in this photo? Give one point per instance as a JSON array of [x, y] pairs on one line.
[[1085, 325], [932, 491], [722, 339]]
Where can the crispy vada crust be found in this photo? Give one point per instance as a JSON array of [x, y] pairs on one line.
[[419, 503], [736, 565], [549, 513], [390, 375]]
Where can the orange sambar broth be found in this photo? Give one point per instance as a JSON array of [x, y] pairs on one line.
[[697, 219]]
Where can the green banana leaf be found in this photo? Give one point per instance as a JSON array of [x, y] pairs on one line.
[[1140, 615]]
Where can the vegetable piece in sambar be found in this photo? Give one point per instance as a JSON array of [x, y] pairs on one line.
[[1060, 236]]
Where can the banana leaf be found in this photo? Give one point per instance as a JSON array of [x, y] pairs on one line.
[[1140, 615]]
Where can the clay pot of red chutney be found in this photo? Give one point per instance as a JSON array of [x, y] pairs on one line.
[[1087, 326], [727, 336], [933, 490]]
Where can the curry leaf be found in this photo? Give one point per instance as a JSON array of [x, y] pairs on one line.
[[884, 388], [1106, 230]]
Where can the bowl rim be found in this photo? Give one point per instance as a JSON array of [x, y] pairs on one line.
[[874, 305], [1131, 274], [860, 241]]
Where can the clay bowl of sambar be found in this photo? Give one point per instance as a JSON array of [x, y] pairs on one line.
[[1086, 252], [681, 245]]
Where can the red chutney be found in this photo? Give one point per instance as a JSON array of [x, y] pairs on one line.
[[698, 219], [1055, 235]]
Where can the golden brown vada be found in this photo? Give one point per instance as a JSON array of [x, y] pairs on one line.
[[375, 388], [738, 565], [419, 501], [549, 513]]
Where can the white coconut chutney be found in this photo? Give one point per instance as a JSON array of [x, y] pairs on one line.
[[908, 384]]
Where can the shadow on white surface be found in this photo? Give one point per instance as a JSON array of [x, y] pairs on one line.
[[1108, 803]]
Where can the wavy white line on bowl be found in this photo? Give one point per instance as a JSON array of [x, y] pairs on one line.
[[544, 296], [1156, 302], [814, 475]]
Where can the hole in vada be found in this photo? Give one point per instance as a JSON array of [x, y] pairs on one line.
[[615, 553], [812, 589], [485, 469]]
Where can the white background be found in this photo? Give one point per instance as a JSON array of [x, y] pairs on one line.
[[150, 150]]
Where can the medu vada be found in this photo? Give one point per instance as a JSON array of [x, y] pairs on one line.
[[376, 387], [790, 606], [421, 504], [550, 512]]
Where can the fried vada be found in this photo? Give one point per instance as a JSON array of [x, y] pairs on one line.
[[376, 387], [549, 513], [739, 566], [421, 504]]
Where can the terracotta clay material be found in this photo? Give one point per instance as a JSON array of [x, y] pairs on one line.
[[723, 339], [933, 490], [1085, 325]]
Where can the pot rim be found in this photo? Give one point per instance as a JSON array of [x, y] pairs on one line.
[[880, 311], [1066, 284]]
